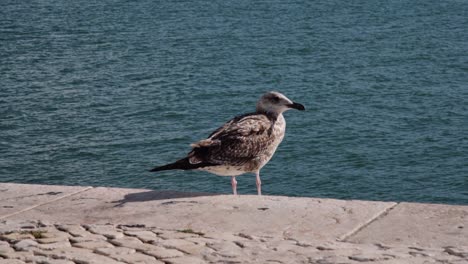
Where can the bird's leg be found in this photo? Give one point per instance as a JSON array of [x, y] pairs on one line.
[[259, 182], [234, 185]]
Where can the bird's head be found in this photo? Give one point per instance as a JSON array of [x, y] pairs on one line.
[[276, 103]]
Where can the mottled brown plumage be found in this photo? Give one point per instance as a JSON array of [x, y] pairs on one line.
[[243, 144]]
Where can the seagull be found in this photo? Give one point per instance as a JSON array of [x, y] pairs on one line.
[[242, 145]]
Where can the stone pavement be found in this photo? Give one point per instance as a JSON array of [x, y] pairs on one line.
[[37, 242], [63, 224]]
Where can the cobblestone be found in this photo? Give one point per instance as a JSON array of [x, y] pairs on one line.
[[93, 244], [74, 230], [90, 238], [108, 244], [131, 242], [11, 261], [145, 235], [185, 260], [106, 230], [134, 258], [114, 251], [50, 246], [55, 261], [25, 245], [164, 253], [78, 255], [51, 235]]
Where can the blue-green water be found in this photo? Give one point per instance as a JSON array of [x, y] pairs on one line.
[[98, 92]]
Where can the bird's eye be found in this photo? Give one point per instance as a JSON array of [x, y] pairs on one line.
[[276, 99]]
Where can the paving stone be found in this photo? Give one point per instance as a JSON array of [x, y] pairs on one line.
[[163, 253], [279, 257], [93, 244], [108, 231], [144, 235], [191, 249], [51, 246], [176, 234], [226, 249], [78, 255], [135, 243], [21, 255], [131, 227], [50, 231], [45, 260], [134, 258], [88, 238], [52, 240], [8, 226], [74, 230], [224, 236], [52, 235], [16, 236], [55, 261], [43, 223], [157, 231], [310, 226], [130, 242], [25, 245], [11, 261], [114, 251], [185, 260], [152, 262], [37, 259], [214, 258], [174, 243], [200, 240], [79, 234], [185, 246], [232, 248], [369, 257], [5, 247]]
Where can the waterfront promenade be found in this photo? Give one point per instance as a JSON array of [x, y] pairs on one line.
[[68, 224]]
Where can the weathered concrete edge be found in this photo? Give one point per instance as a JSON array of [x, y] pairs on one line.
[[302, 220], [376, 217], [360, 226], [342, 238], [87, 188]]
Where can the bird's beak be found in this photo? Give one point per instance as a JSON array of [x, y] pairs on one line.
[[296, 106]]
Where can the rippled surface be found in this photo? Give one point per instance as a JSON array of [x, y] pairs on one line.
[[97, 93]]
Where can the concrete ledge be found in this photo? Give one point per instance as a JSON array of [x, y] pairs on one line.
[[16, 198], [307, 221], [302, 218], [428, 225]]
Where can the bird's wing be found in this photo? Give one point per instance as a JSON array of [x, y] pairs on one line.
[[236, 142]]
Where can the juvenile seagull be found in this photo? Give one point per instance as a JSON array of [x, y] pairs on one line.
[[244, 144]]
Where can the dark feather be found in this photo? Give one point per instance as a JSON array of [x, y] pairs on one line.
[[236, 143], [182, 164], [241, 139]]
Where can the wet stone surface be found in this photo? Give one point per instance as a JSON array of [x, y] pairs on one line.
[[101, 244]]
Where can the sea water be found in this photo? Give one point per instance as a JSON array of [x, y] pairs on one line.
[[99, 92]]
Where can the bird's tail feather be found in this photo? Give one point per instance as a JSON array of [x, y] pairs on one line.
[[182, 164]]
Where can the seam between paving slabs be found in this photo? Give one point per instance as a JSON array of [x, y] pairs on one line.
[[44, 203], [376, 217]]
